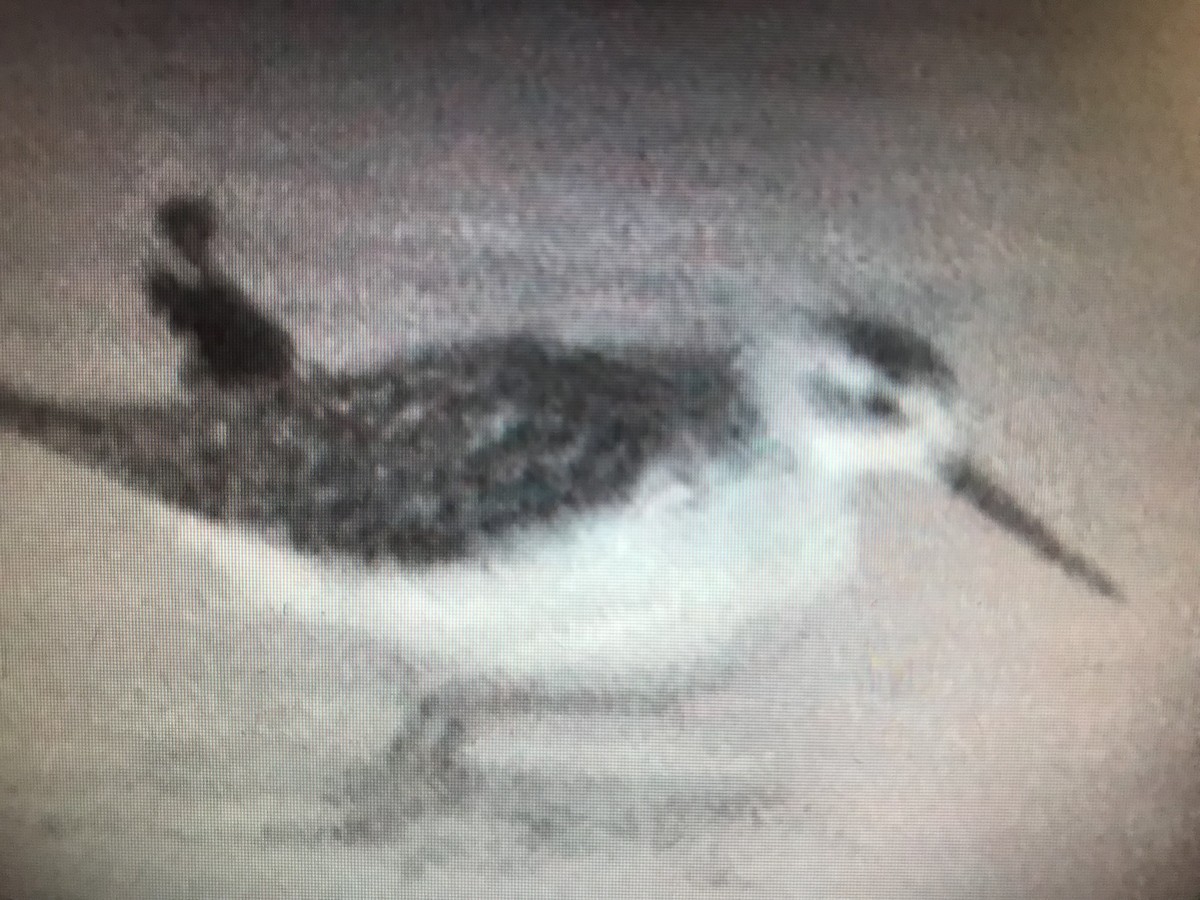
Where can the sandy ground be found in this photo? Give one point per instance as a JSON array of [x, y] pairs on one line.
[[960, 722]]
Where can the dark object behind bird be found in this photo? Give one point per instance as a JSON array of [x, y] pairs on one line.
[[234, 340]]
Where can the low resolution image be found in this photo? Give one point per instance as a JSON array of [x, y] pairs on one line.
[[603, 449]]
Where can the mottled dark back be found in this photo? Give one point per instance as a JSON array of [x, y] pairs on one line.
[[420, 461], [423, 460]]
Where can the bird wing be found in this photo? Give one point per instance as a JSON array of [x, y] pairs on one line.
[[418, 461]]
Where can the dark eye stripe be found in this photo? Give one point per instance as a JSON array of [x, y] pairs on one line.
[[881, 406], [838, 400]]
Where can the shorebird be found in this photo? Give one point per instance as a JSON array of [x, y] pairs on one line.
[[515, 507]]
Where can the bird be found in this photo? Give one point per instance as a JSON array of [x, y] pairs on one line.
[[517, 507]]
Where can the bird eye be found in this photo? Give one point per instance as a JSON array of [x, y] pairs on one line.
[[881, 406]]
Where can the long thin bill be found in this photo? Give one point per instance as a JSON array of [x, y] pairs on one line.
[[966, 479]]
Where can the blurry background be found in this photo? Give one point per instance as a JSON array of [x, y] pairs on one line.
[[1018, 180]]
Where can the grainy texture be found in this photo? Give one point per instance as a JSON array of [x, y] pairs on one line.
[[420, 461], [968, 480], [1017, 180], [233, 341], [900, 353]]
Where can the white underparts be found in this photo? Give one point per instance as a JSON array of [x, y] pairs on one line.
[[652, 591]]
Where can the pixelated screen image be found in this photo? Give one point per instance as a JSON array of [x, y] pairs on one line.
[[600, 449]]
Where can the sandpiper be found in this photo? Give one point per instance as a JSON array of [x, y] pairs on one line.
[[522, 508]]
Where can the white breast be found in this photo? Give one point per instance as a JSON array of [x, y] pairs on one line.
[[655, 591]]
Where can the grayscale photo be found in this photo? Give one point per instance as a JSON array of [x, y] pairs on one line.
[[599, 449]]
